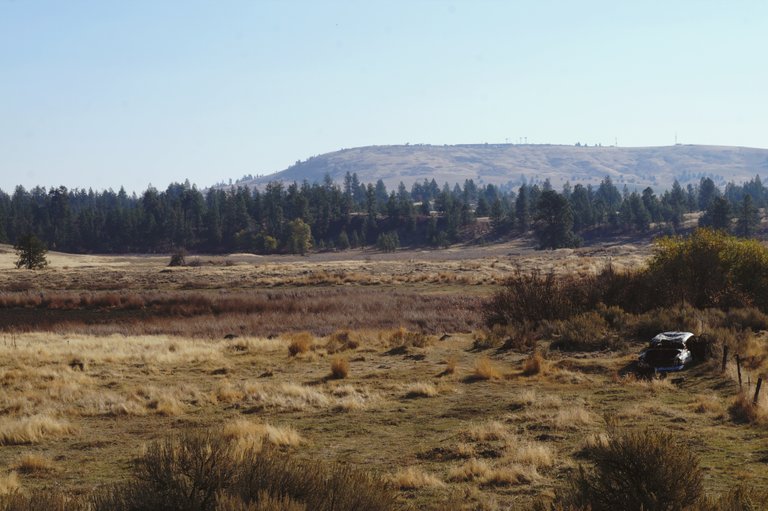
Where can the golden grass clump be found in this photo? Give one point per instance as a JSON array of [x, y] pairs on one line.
[[470, 470], [534, 364], [482, 472], [572, 418], [708, 403], [402, 338], [339, 368], [112, 405], [349, 398], [413, 478], [341, 340], [301, 342], [509, 475], [34, 464], [534, 454], [533, 399], [31, 430], [9, 483], [250, 434], [653, 385], [286, 396], [161, 401], [450, 365], [228, 393], [594, 440], [421, 389], [485, 369], [483, 432]]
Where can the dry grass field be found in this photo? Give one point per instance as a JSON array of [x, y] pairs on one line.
[[371, 362]]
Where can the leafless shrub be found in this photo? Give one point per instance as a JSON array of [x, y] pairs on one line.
[[588, 331], [202, 472], [634, 471]]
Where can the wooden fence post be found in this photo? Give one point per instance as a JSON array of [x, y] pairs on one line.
[[738, 368], [757, 391], [725, 357]]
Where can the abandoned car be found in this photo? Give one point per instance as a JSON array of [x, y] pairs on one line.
[[667, 352]]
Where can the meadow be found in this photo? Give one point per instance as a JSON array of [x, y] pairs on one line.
[[379, 362]]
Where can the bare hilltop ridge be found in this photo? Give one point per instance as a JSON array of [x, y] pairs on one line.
[[511, 164]]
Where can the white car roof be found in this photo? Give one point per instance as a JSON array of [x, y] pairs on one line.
[[672, 337]]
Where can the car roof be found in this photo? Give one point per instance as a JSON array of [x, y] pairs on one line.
[[673, 337]]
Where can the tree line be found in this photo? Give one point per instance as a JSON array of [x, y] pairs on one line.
[[296, 218]]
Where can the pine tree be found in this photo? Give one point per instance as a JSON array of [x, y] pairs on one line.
[[523, 209], [554, 221], [749, 217], [31, 253]]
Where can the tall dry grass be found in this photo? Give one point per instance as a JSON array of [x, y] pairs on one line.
[[485, 369], [414, 478], [33, 429], [213, 314]]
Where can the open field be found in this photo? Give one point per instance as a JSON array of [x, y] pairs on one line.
[[101, 355], [435, 291], [442, 421], [463, 265]]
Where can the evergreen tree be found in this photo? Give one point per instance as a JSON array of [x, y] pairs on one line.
[[652, 205], [641, 218], [343, 241], [748, 218], [707, 193], [677, 204], [523, 209], [581, 206], [388, 241], [31, 253], [554, 221], [608, 194], [718, 215]]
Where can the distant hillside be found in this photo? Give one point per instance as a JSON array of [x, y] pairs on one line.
[[508, 164]]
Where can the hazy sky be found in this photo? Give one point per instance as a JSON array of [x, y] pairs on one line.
[[108, 93]]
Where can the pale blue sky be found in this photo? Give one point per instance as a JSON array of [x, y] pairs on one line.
[[108, 93]]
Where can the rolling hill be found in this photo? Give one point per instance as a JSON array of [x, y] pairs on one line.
[[510, 164]]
